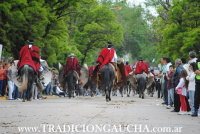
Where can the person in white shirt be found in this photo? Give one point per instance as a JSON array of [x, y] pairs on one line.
[[192, 56], [181, 90], [185, 65], [168, 60], [191, 86]]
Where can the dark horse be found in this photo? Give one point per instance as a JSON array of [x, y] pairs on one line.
[[71, 82], [28, 76], [141, 84], [107, 77]]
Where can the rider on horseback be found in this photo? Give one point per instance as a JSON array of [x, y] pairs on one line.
[[128, 68], [29, 55], [106, 56], [141, 71], [72, 65], [141, 67]]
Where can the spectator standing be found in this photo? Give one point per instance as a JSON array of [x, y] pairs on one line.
[[181, 91], [163, 79], [1, 79], [11, 84], [192, 57], [197, 89], [168, 61], [176, 79], [191, 86], [170, 87], [185, 65]]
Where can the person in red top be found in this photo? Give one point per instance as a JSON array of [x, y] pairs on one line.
[[2, 80], [128, 69], [141, 67], [106, 56], [29, 55], [91, 70], [72, 64]]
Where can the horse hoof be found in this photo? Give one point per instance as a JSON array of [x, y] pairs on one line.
[[23, 100], [142, 97], [107, 100], [128, 95]]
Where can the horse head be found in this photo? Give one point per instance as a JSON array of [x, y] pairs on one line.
[[84, 75]]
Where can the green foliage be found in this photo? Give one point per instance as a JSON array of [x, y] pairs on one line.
[[178, 27], [137, 30], [58, 28]]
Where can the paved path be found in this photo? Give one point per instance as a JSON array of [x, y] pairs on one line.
[[120, 115]]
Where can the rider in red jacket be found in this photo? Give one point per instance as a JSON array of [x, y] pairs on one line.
[[91, 70], [72, 64], [106, 56], [128, 68], [141, 67], [29, 55]]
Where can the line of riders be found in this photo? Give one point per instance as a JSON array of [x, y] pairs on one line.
[[109, 73]]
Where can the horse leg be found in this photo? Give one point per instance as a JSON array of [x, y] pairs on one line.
[[128, 91], [121, 91], [139, 90], [107, 95], [24, 95], [142, 91]]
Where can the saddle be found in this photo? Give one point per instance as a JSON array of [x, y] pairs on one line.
[[119, 73]]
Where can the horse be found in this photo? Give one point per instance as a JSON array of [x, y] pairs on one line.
[[132, 84], [151, 85], [141, 84], [28, 77], [91, 85], [107, 78], [72, 82]]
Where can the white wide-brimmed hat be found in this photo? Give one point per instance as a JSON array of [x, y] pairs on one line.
[[72, 55]]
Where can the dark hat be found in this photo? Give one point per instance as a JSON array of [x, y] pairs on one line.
[[140, 59], [29, 41], [109, 44], [192, 54]]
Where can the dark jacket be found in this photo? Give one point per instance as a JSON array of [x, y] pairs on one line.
[[170, 80], [176, 76]]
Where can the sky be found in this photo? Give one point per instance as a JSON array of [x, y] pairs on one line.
[[137, 2], [141, 2]]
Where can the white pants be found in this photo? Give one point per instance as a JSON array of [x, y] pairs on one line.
[[11, 87]]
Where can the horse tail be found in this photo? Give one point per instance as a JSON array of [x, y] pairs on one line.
[[24, 78], [106, 77]]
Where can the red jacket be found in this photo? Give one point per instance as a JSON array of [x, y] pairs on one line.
[[141, 67], [36, 57], [128, 69], [91, 69], [72, 64], [105, 56], [29, 56]]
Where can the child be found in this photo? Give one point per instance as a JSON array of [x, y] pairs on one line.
[[191, 86], [181, 90], [170, 87]]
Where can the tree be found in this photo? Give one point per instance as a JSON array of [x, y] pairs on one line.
[[177, 27], [58, 27], [137, 30]]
